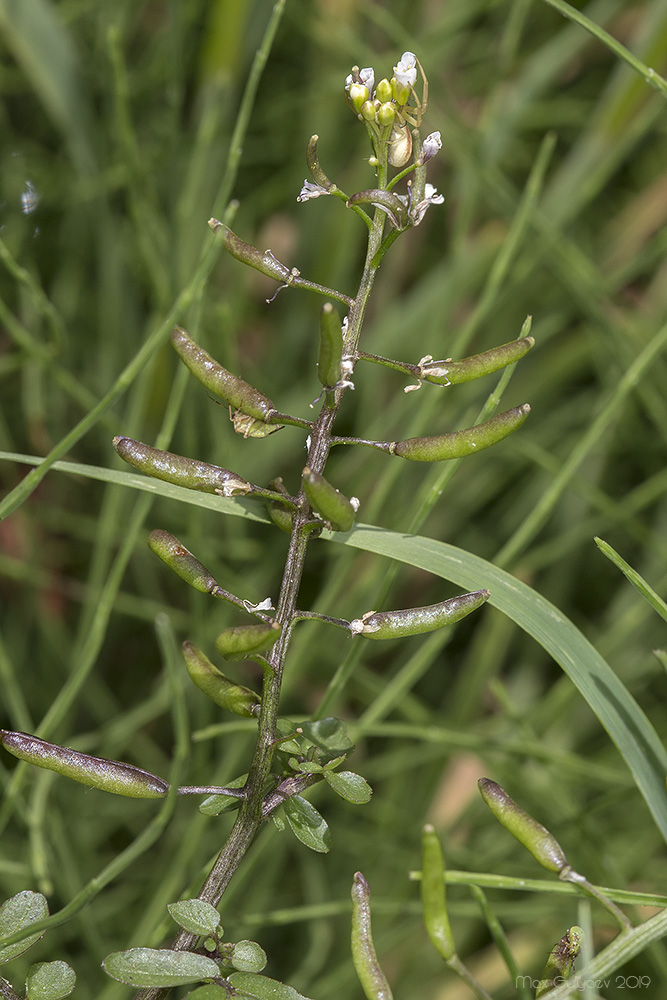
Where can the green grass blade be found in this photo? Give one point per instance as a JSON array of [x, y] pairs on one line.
[[637, 581]]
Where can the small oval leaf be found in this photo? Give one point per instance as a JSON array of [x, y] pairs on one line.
[[208, 992], [49, 981], [159, 967], [262, 988], [349, 786], [248, 956], [195, 915], [307, 824], [16, 913]]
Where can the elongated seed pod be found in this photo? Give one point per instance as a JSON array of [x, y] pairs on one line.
[[560, 964], [218, 380], [414, 621], [372, 978], [248, 254], [314, 165], [181, 561], [225, 693], [240, 641], [180, 471], [278, 512], [329, 502], [331, 347], [434, 903], [458, 444], [468, 369], [97, 772], [536, 838], [388, 202]]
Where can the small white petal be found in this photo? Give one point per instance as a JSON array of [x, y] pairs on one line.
[[311, 190], [405, 70], [431, 146]]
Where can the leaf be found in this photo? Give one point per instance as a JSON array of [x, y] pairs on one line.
[[208, 992], [195, 915], [159, 967], [637, 581], [49, 981], [307, 824], [349, 786], [263, 988], [329, 735], [15, 914], [248, 956]]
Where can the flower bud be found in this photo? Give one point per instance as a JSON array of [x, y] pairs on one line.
[[233, 390], [181, 561], [386, 114], [358, 95], [456, 372], [384, 91], [461, 443], [433, 898], [367, 967], [329, 502], [180, 471], [97, 772], [225, 693], [331, 347], [248, 254], [241, 641], [535, 837], [369, 110], [414, 621], [401, 91]]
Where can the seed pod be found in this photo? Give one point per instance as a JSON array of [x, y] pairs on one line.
[[180, 471], [240, 641], [414, 621], [329, 502], [535, 837], [367, 967], [219, 381], [461, 443], [331, 347], [560, 964], [314, 165], [388, 202], [225, 693], [248, 254], [278, 512], [97, 772], [434, 902], [456, 372], [181, 561]]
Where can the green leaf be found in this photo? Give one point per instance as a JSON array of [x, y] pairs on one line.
[[305, 766], [329, 735], [49, 981], [213, 805], [159, 967], [263, 988], [349, 786], [307, 824], [208, 992], [637, 581], [195, 915], [248, 956], [15, 914]]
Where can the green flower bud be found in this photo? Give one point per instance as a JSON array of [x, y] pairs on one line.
[[461, 443], [358, 94], [233, 390], [560, 964], [248, 254], [433, 898], [384, 91], [456, 372], [181, 561], [225, 693], [534, 837], [414, 621], [336, 509], [368, 111], [331, 347], [97, 772], [386, 114], [401, 92], [240, 641], [367, 967], [180, 471]]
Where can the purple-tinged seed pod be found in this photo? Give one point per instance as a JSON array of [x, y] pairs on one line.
[[226, 693], [181, 471], [367, 967], [248, 254], [97, 772], [536, 838], [181, 561], [458, 444], [241, 641], [329, 502], [468, 369], [231, 389], [414, 621]]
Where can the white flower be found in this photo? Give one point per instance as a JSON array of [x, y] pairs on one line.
[[431, 197], [366, 77], [310, 190], [432, 144], [405, 71]]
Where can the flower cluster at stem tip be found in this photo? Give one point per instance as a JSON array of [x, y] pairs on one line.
[[392, 112]]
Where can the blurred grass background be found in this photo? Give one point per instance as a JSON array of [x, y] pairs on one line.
[[119, 117]]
